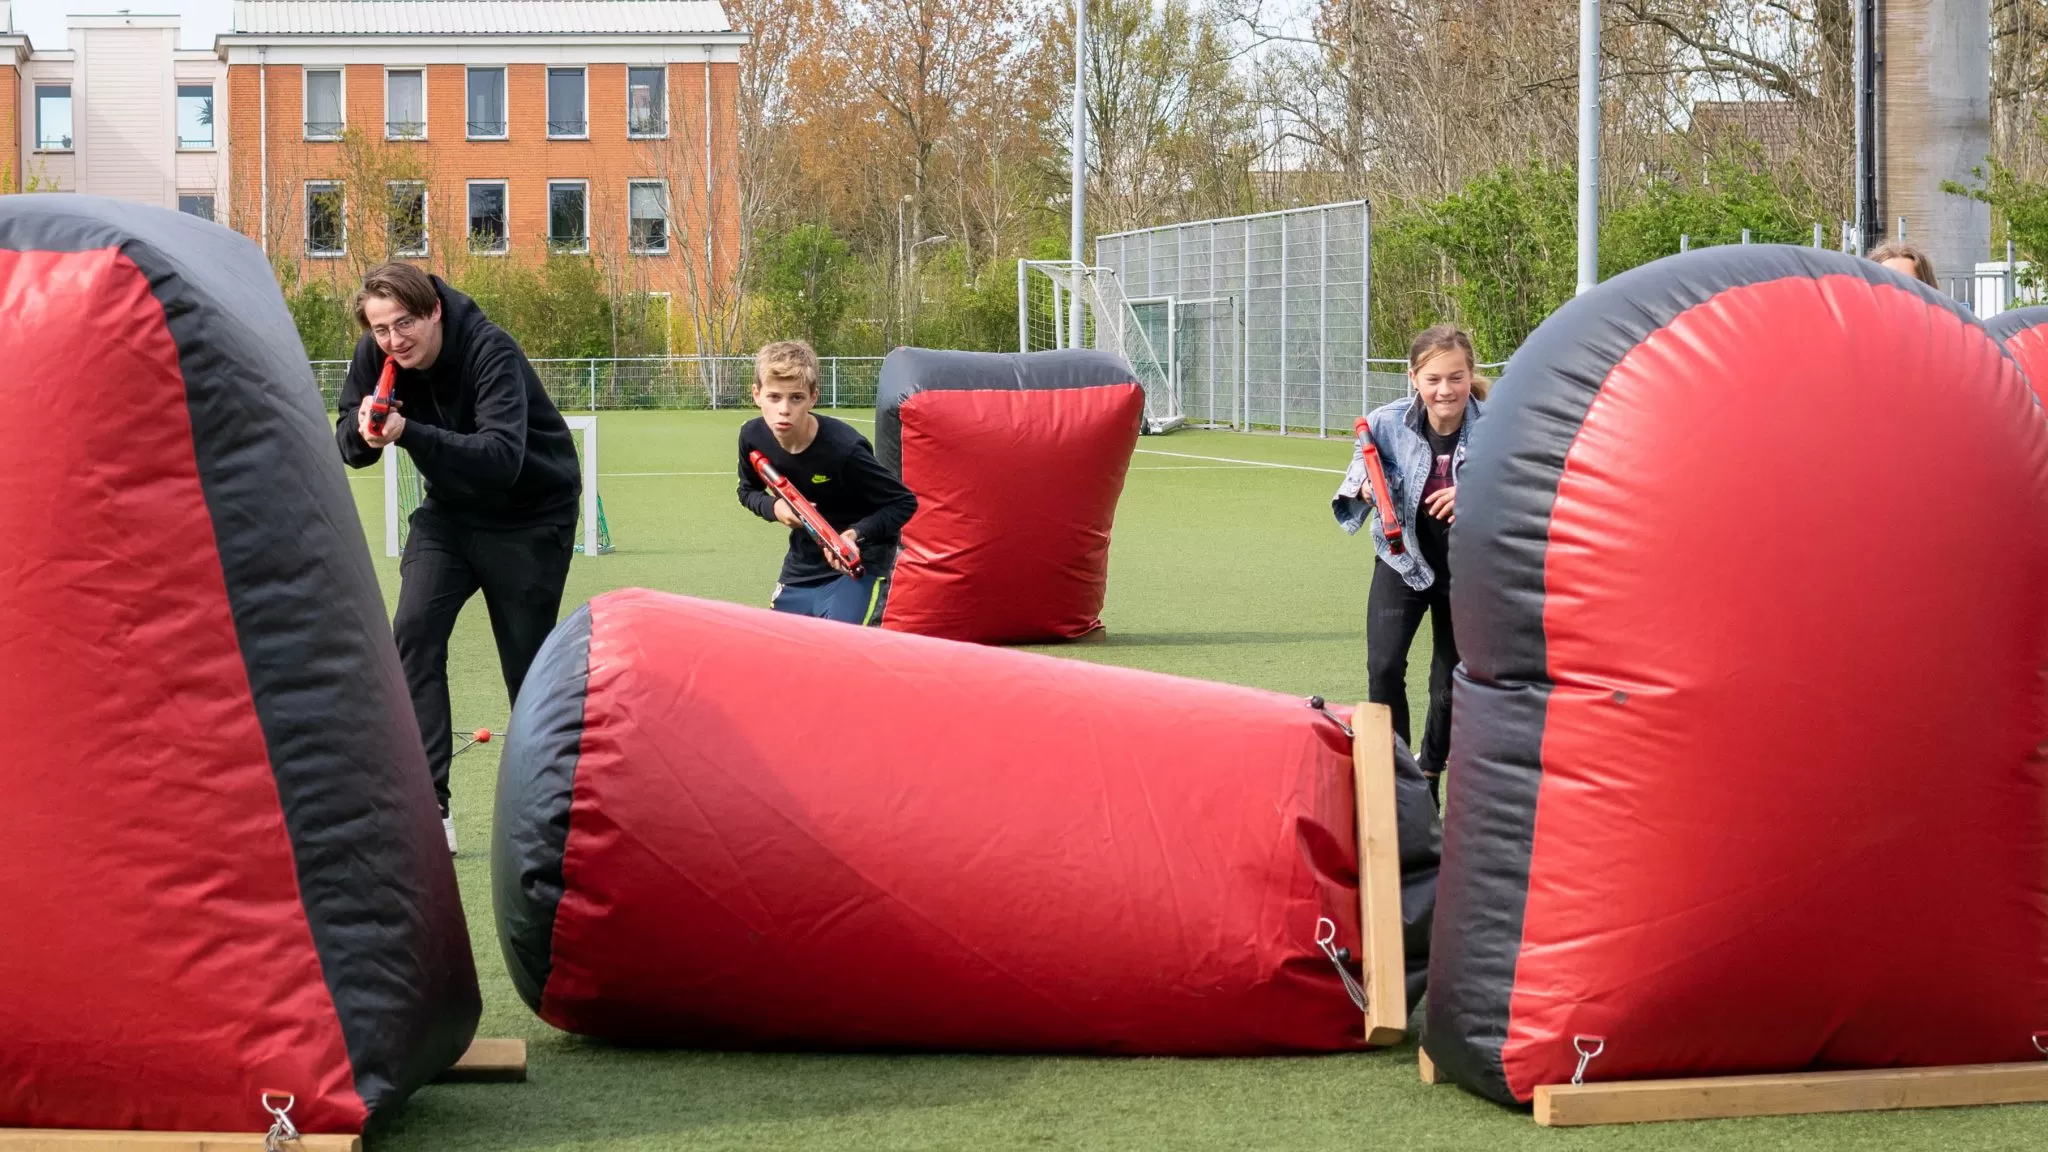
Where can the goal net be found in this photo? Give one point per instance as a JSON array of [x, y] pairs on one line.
[[403, 491], [1054, 295]]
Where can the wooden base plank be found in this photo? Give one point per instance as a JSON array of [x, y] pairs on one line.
[[81, 1140], [1379, 875], [1795, 1094], [1427, 1067], [489, 1062]]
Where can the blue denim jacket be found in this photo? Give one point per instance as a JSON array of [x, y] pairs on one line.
[[1396, 429]]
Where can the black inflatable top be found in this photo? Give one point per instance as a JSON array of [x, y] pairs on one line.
[[909, 371]]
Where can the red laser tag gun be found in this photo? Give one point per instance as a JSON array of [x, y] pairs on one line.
[[383, 405], [1390, 521], [807, 515]]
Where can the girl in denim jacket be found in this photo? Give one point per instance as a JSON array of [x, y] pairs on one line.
[[1422, 440]]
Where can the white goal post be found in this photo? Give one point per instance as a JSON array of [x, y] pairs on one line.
[[398, 503]]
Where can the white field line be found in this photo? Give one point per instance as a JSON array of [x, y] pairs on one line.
[[1249, 463], [1190, 456]]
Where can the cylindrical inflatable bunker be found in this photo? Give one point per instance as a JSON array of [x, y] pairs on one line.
[[1748, 750], [224, 872], [1017, 460], [2024, 333], [722, 827]]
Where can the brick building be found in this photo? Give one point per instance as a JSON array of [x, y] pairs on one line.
[[447, 131]]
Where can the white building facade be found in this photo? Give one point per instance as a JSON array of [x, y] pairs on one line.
[[120, 112]]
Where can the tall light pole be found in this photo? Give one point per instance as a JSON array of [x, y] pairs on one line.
[[1589, 144], [1076, 231], [902, 274]]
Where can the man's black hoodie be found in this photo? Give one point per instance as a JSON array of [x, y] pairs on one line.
[[488, 442]]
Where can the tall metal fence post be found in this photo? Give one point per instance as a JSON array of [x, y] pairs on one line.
[[1283, 324], [1365, 313], [1323, 324], [1244, 382], [593, 385], [1023, 310], [1820, 235], [835, 381], [1209, 361]]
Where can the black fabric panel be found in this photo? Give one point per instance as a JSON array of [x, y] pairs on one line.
[[2016, 320], [536, 781], [373, 869], [908, 371], [1421, 842], [1505, 495]]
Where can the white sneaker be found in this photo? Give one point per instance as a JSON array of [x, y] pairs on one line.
[[448, 826]]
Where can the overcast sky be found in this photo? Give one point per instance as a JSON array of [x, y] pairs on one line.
[[199, 20]]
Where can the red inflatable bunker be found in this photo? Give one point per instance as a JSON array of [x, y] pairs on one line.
[[1017, 460], [2024, 332], [719, 826], [1749, 749], [223, 870]]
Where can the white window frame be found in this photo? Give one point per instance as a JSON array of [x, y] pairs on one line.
[[305, 101], [70, 93], [426, 216], [504, 99], [469, 233], [552, 249], [307, 224], [548, 100], [210, 86], [667, 216], [421, 69], [662, 108]]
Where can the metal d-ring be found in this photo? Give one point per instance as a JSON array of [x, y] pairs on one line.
[[1586, 1054]]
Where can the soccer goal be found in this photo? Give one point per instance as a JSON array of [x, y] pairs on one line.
[[402, 493], [1055, 296]]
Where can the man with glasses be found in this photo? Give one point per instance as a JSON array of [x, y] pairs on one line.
[[501, 483]]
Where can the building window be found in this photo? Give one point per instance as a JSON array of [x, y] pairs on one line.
[[53, 117], [488, 219], [324, 120], [646, 102], [408, 217], [569, 215], [326, 219], [487, 104], [567, 112], [196, 204], [195, 115], [405, 104], [647, 204]]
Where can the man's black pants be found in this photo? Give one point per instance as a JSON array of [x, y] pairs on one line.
[[1393, 614], [520, 571]]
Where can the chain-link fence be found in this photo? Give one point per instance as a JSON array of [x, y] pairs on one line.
[[1265, 315], [664, 382]]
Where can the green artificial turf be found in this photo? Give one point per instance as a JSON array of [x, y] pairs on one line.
[[1224, 571]]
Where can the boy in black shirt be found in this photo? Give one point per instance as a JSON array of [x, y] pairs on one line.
[[835, 469]]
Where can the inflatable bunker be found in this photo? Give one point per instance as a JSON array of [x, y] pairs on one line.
[[224, 870], [2024, 332], [1749, 742], [722, 827], [1017, 460]]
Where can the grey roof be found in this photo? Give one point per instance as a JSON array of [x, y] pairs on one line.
[[503, 17]]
